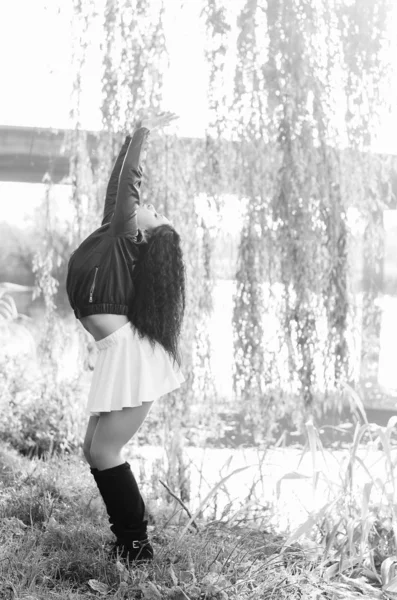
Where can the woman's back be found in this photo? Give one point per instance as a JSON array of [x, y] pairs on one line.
[[102, 325]]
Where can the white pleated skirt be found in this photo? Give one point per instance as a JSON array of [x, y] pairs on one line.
[[128, 372]]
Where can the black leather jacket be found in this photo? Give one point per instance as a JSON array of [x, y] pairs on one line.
[[99, 278]]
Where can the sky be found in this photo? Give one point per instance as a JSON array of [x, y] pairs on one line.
[[37, 76], [35, 43]]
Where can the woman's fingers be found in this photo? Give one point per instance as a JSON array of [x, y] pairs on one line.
[[160, 120], [167, 118]]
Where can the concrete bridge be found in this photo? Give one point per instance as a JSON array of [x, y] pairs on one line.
[[27, 153]]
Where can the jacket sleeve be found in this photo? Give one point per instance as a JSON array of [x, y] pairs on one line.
[[111, 191], [125, 214]]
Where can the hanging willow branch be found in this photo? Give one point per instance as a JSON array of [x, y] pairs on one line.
[[285, 96], [253, 363], [80, 171], [366, 50]]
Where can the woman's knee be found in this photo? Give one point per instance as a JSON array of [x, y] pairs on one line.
[[87, 452], [91, 427], [103, 452]]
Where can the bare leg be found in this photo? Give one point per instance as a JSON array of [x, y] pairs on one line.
[[92, 423], [113, 430]]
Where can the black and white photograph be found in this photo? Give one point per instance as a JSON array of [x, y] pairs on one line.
[[198, 299]]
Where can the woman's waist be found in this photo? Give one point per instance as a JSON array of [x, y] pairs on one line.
[[101, 325]]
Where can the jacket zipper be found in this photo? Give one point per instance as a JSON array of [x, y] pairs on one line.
[[93, 285]]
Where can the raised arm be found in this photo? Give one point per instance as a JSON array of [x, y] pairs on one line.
[[111, 190], [125, 214], [124, 218]]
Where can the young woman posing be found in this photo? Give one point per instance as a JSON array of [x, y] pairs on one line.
[[126, 285]]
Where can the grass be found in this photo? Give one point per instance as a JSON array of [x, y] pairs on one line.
[[54, 531]]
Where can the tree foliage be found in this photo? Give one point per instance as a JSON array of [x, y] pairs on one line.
[[297, 63], [291, 138]]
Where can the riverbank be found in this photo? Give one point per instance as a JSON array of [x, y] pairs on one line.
[[54, 529]]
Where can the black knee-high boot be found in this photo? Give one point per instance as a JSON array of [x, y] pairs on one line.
[[126, 510]]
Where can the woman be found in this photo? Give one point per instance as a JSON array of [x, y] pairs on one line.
[[126, 285]]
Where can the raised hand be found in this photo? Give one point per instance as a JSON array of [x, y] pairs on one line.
[[161, 120]]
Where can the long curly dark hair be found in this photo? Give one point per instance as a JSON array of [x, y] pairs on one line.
[[159, 280]]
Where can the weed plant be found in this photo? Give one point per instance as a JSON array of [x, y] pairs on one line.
[[54, 534]]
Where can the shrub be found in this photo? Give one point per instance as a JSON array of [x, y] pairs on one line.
[[41, 416]]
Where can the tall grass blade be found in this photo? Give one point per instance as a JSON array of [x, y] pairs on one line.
[[307, 526], [388, 569], [356, 401], [365, 502], [392, 422], [331, 538], [366, 523], [314, 443], [389, 577], [339, 567], [358, 434], [292, 475], [384, 438], [208, 496]]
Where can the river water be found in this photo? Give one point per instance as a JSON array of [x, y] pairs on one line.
[[260, 488]]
